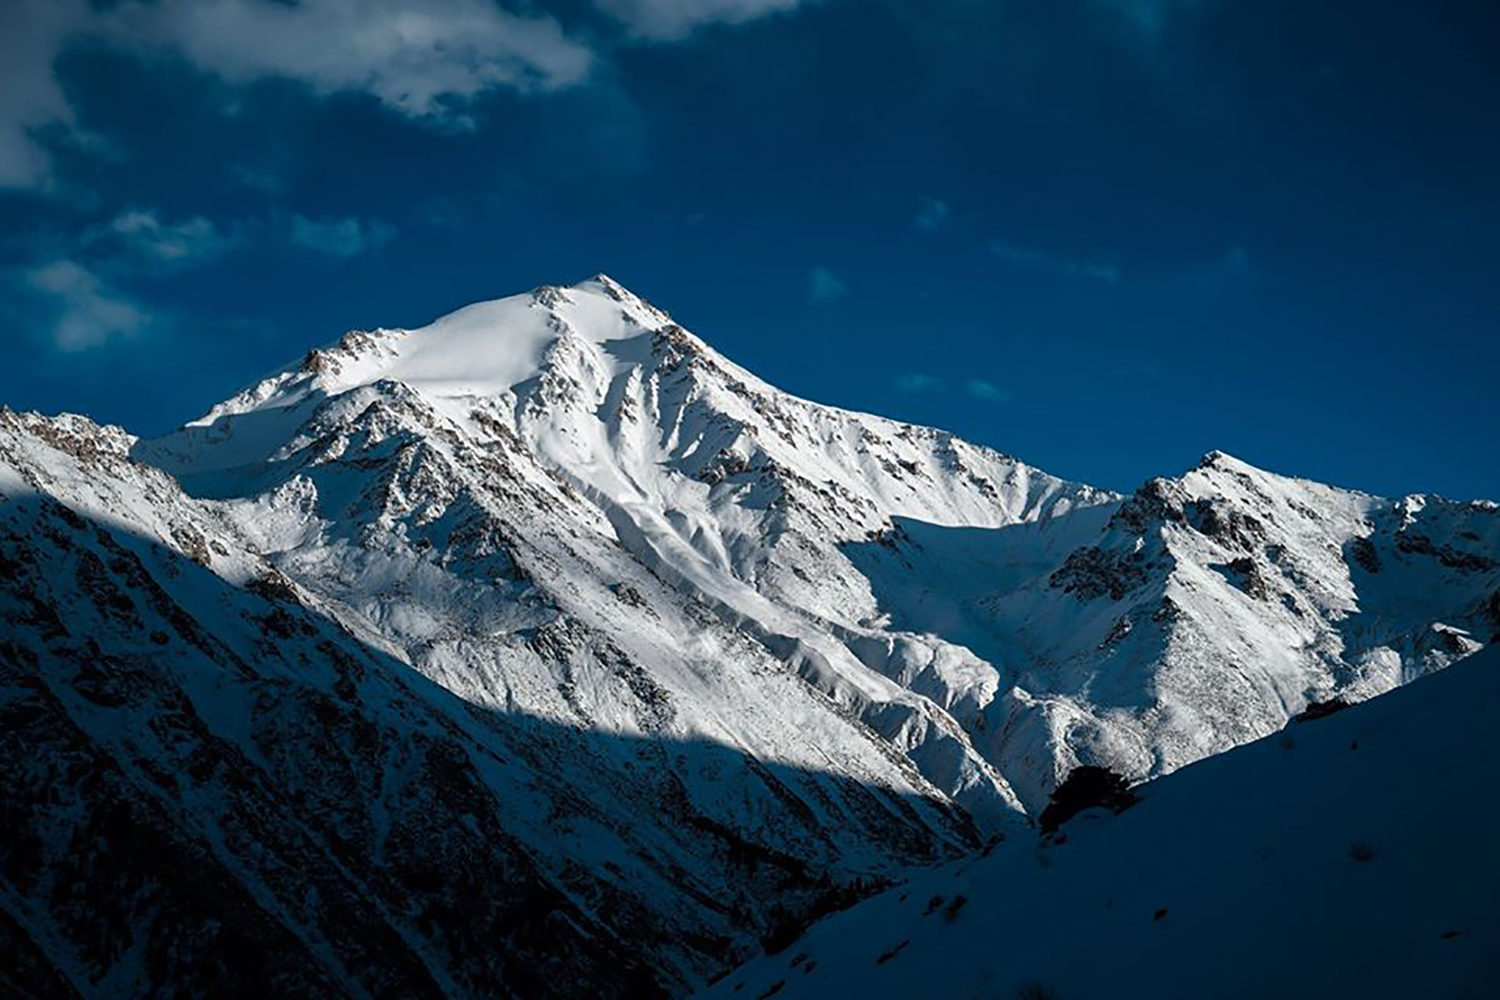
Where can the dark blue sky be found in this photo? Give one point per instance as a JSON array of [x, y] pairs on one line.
[[1103, 235]]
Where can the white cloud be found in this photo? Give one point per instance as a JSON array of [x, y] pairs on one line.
[[932, 214], [185, 242], [987, 391], [1023, 256], [825, 286], [423, 59], [670, 20], [89, 313], [341, 237]]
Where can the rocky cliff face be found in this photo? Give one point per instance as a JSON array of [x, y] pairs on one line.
[[547, 624]]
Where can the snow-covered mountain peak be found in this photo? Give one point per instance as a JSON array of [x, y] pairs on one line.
[[483, 349], [659, 587], [1220, 600], [1224, 460]]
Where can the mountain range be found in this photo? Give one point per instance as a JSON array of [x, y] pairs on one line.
[[545, 651]]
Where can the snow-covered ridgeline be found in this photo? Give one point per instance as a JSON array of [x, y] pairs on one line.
[[811, 645]]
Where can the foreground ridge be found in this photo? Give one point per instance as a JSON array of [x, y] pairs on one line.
[[1320, 862]]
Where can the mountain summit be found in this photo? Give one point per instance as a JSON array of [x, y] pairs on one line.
[[545, 650]]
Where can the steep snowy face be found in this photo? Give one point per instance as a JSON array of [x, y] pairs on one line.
[[604, 444]]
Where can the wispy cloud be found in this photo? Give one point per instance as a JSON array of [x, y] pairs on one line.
[[987, 391], [670, 20], [918, 382], [1024, 256], [143, 234], [88, 312], [825, 286], [79, 283], [932, 214], [348, 237]]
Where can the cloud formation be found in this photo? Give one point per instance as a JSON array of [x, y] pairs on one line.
[[89, 313], [341, 237], [825, 286], [672, 20], [421, 59], [144, 235], [78, 284], [426, 59], [1024, 256]]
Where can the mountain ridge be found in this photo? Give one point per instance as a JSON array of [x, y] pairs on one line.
[[609, 540]]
